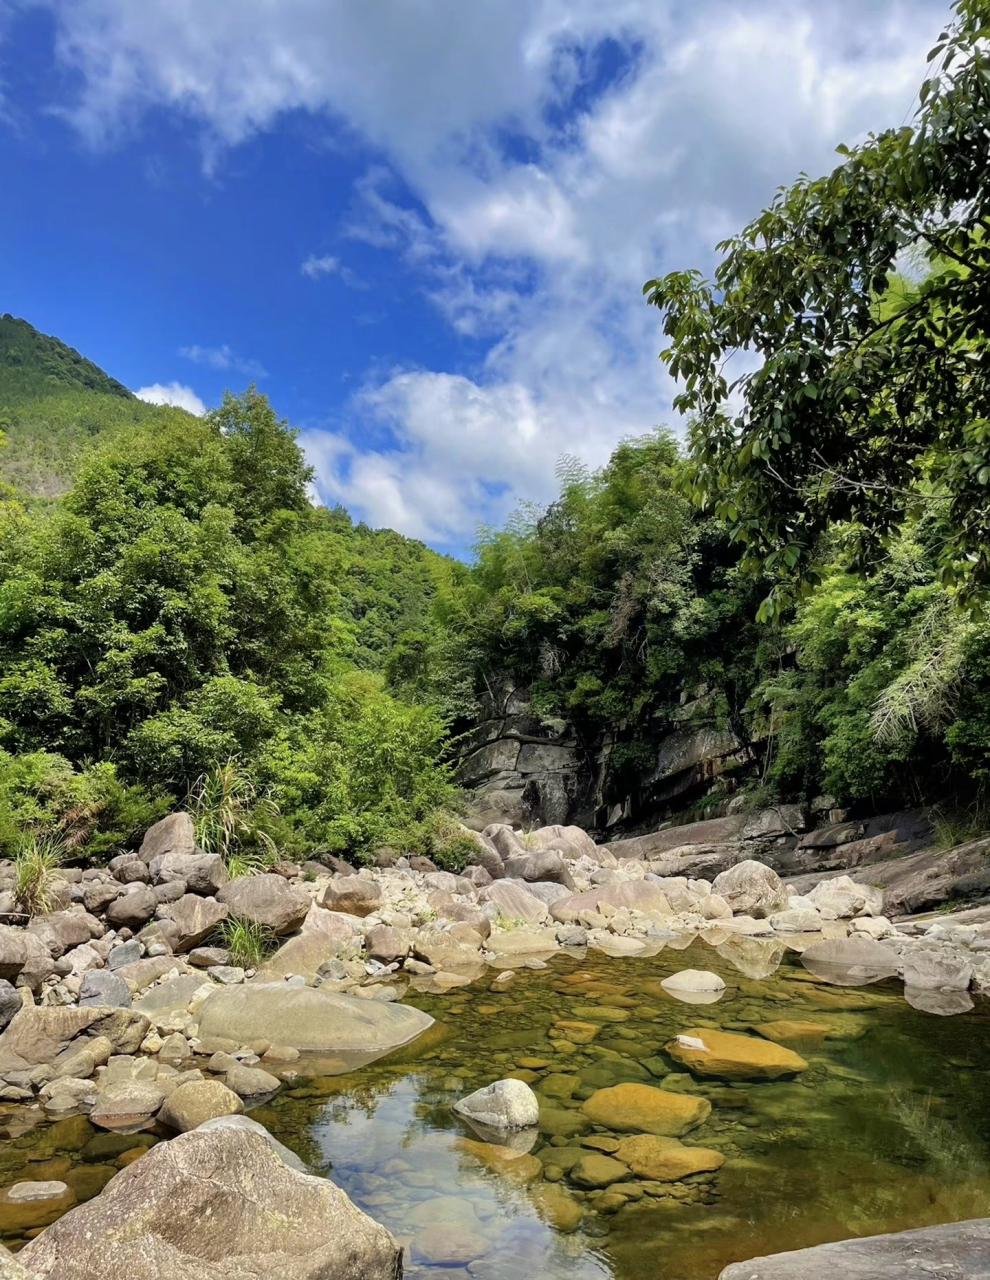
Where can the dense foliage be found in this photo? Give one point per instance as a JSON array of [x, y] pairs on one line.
[[185, 605], [864, 398]]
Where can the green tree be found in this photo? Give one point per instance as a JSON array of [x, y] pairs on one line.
[[864, 399]]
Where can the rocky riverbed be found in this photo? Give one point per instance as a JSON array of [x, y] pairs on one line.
[[121, 1011]]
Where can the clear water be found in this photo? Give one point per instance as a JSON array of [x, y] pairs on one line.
[[888, 1129]]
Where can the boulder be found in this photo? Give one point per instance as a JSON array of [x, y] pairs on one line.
[[173, 995], [216, 1203], [665, 1159], [124, 953], [39, 1034], [98, 894], [472, 916], [246, 1123], [639, 1108], [569, 842], [730, 1056], [106, 988], [11, 1269], [140, 974], [478, 876], [203, 873], [693, 982], [61, 931], [797, 920], [333, 925], [751, 888], [514, 903], [850, 962], [24, 958], [635, 895], [926, 970], [127, 1105], [511, 1165], [174, 834], [194, 918], [846, 899], [504, 840], [250, 1082], [543, 865], [133, 908], [353, 895], [129, 867], [190, 1104], [208, 957], [506, 1104], [959, 1250], [309, 1019], [781, 820], [267, 900]]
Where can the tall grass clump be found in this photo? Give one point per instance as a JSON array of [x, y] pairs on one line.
[[249, 943], [35, 865], [229, 818]]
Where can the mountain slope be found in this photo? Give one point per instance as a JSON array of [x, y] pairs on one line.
[[53, 402]]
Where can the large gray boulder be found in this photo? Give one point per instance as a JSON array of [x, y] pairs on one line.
[[135, 907], [752, 888], [174, 834], [506, 1104], [267, 900], [926, 970], [960, 1250], [203, 873], [569, 842], [39, 1034], [245, 1122], [194, 918], [215, 1204], [309, 1019], [106, 988]]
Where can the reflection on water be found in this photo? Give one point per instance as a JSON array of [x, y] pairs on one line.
[[887, 1129]]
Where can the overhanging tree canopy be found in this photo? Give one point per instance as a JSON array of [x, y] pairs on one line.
[[870, 397]]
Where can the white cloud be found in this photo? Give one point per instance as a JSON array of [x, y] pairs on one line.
[[223, 359], [315, 267], [535, 223], [172, 393]]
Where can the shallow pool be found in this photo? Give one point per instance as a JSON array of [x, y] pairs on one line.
[[887, 1129]]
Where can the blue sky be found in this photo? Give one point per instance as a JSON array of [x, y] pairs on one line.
[[421, 226]]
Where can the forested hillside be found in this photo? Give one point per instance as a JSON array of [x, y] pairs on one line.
[[185, 617]]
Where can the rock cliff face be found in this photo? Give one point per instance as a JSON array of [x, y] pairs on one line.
[[524, 770]]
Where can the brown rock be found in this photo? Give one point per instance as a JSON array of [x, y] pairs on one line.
[[266, 900], [353, 895], [203, 873], [24, 958], [174, 834], [514, 1166], [39, 1034], [132, 909], [665, 1159], [195, 918], [598, 1170], [731, 1056], [639, 1108]]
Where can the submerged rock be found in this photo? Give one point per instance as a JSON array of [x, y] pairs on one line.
[[665, 1159], [733, 1057], [640, 1108], [694, 986], [216, 1204], [506, 1104]]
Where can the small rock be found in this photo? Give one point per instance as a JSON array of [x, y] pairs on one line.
[[250, 1082], [505, 1104], [124, 953]]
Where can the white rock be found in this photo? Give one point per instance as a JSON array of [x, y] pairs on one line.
[[506, 1104]]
